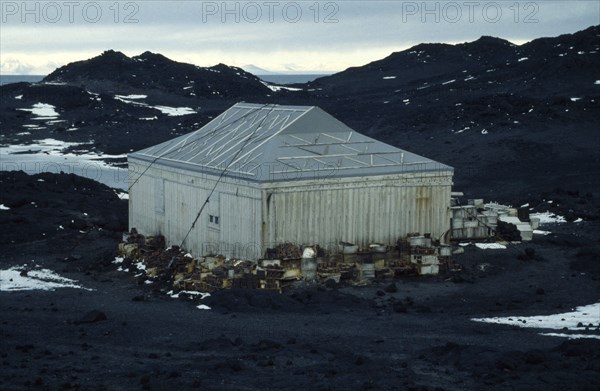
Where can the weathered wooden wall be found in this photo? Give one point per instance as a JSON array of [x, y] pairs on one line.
[[359, 210], [253, 216]]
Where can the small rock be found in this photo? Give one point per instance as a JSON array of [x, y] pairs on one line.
[[540, 291], [529, 252], [331, 284], [399, 307], [92, 317]]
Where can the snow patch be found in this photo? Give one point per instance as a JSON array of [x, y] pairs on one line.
[[275, 88], [19, 97], [584, 315], [540, 232], [48, 145], [140, 265], [575, 99], [3, 207], [523, 59], [490, 246], [571, 336], [132, 96], [548, 218], [174, 111], [42, 111], [388, 77], [202, 295], [170, 111], [448, 82], [20, 278]]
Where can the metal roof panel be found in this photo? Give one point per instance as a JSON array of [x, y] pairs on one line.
[[267, 143]]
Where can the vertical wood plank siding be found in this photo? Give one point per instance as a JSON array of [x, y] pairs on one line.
[[358, 210], [235, 202]]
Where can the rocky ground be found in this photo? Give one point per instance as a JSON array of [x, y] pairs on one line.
[[412, 333]]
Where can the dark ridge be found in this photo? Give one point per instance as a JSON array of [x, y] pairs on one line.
[[155, 71]]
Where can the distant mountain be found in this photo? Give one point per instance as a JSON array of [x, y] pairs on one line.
[[155, 71], [511, 119], [255, 70]]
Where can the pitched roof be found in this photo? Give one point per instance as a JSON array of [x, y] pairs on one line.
[[267, 143]]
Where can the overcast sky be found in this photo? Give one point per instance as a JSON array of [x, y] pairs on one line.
[[303, 36]]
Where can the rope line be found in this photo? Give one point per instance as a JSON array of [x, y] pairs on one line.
[[223, 173], [216, 129]]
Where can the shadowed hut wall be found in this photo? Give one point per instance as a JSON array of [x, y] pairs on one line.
[[360, 210]]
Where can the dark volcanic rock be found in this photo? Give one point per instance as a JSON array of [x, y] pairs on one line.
[[309, 337], [61, 205], [155, 71], [92, 317]]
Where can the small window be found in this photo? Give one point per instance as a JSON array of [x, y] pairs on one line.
[[216, 219], [213, 219]]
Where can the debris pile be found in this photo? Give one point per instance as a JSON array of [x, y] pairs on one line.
[[282, 265], [479, 221]]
